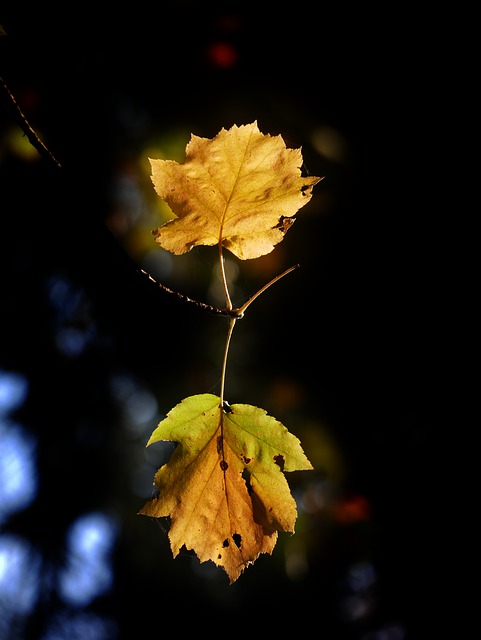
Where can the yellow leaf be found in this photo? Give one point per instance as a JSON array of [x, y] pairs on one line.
[[239, 189], [224, 487]]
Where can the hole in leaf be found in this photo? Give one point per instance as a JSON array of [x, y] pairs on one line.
[[285, 223], [225, 543], [237, 539], [279, 460]]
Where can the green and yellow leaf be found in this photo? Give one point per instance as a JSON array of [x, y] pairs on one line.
[[224, 487]]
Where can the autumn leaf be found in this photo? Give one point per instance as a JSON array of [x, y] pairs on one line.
[[239, 189], [224, 487]]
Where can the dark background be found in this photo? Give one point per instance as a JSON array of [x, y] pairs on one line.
[[340, 351]]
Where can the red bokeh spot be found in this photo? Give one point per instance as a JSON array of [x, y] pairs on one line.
[[222, 54], [352, 509]]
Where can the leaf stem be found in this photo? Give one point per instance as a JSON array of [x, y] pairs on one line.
[[232, 322], [228, 302], [239, 314]]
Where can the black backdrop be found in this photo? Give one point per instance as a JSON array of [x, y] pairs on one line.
[[351, 327]]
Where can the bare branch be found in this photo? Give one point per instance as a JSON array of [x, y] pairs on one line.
[[181, 296], [27, 129]]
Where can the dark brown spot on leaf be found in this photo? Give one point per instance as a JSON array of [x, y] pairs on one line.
[[246, 476], [223, 465], [279, 460], [219, 444], [246, 459]]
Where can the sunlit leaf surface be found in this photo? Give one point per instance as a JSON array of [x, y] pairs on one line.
[[224, 487], [240, 189]]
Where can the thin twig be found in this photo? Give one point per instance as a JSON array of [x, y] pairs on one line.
[[27, 129], [242, 309], [201, 305], [231, 313]]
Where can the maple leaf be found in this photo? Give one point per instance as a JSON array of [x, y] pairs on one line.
[[224, 486], [239, 189]]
